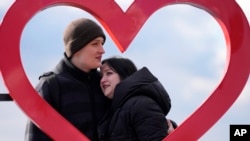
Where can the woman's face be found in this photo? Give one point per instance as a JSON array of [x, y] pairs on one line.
[[109, 80], [90, 56]]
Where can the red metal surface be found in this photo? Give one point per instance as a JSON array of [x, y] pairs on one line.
[[123, 28]]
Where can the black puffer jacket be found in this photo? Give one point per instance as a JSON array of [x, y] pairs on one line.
[[80, 100], [138, 111]]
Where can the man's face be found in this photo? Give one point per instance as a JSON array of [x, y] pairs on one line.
[[90, 56]]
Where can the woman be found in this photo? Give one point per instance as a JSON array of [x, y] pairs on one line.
[[139, 103]]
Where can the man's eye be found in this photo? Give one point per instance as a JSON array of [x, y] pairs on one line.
[[94, 44]]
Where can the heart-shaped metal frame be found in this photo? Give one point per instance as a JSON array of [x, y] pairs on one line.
[[123, 27]]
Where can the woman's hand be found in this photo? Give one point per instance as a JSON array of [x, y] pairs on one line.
[[171, 127]]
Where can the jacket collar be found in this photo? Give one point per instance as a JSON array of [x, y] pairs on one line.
[[65, 66]]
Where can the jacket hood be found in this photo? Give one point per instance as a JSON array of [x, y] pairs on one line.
[[142, 82]]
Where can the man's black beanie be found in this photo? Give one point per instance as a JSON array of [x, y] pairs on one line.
[[79, 33]]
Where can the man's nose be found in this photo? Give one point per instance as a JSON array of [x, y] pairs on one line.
[[101, 49]]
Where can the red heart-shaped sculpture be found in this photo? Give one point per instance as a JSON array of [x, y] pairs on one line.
[[123, 27]]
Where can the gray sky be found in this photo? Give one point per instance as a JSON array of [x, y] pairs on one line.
[[182, 45]]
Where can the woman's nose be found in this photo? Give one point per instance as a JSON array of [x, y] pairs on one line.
[[102, 80]]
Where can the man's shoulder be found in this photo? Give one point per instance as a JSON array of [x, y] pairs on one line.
[[47, 75]]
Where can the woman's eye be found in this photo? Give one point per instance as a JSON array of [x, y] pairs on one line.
[[109, 73]]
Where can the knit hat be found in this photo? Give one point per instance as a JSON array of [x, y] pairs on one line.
[[79, 33]]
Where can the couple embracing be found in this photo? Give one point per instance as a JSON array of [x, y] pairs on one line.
[[116, 103]]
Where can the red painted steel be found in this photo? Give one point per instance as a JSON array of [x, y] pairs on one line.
[[123, 28]]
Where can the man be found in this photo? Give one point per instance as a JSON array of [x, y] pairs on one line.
[[72, 88]]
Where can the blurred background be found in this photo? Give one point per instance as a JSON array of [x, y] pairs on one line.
[[182, 45]]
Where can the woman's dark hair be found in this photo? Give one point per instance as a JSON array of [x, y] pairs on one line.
[[123, 66]]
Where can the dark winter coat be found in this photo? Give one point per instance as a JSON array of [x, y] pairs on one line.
[[139, 107], [80, 100]]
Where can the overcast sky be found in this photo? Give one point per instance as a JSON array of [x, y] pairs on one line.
[[182, 45]]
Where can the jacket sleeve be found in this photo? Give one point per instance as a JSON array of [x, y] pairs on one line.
[[33, 133], [148, 120]]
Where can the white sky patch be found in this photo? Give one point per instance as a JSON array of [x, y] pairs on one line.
[[245, 96], [124, 4], [181, 44], [67, 13], [3, 88], [12, 122], [244, 4], [4, 4], [201, 86]]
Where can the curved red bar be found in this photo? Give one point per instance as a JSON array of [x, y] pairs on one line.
[[233, 22]]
